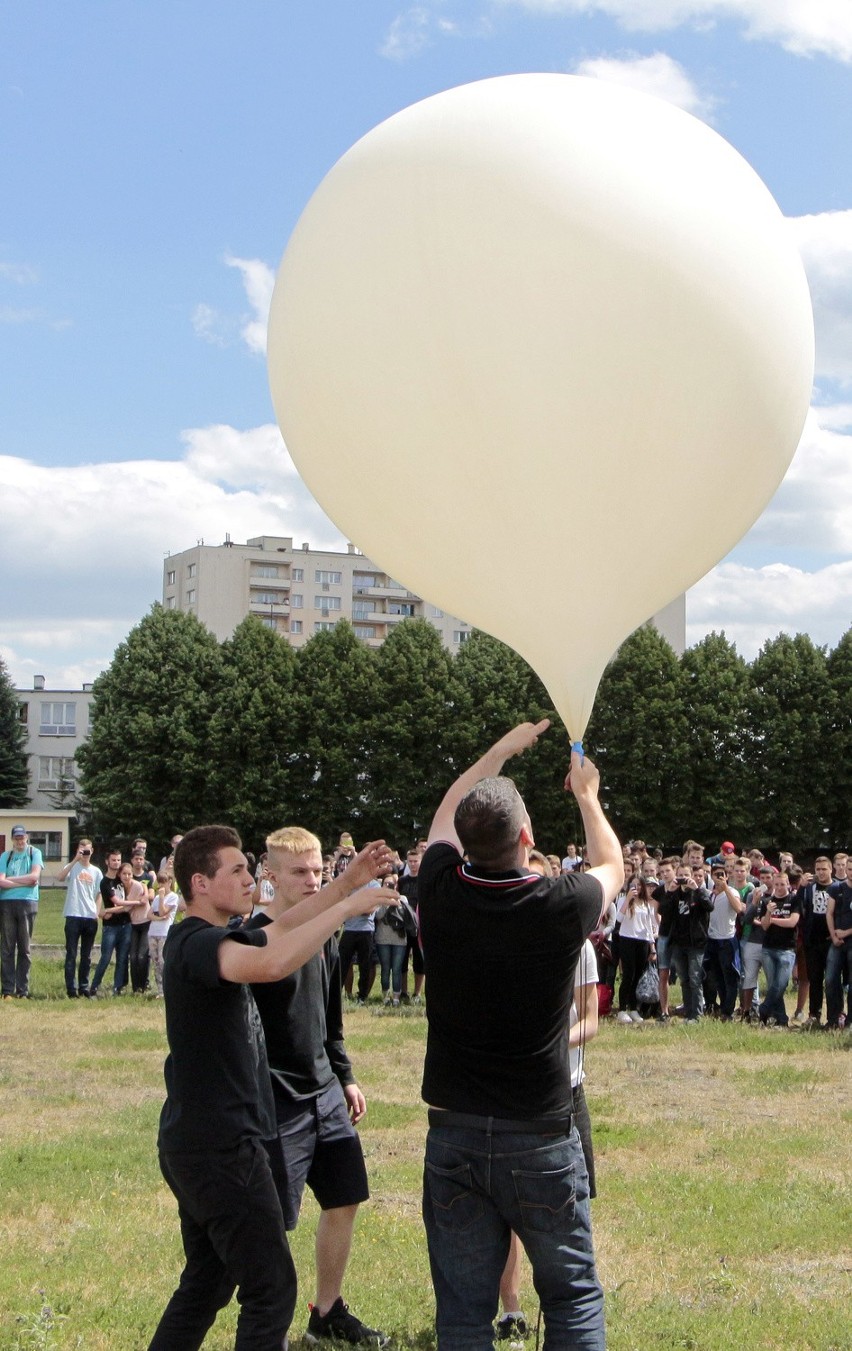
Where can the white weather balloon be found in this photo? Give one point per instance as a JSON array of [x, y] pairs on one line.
[[543, 348]]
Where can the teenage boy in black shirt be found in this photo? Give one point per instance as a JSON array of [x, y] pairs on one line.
[[317, 1101], [219, 1116], [501, 946]]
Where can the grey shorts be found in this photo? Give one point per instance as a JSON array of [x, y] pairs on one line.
[[319, 1146]]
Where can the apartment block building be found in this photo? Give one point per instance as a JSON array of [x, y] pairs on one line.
[[299, 591], [57, 723]]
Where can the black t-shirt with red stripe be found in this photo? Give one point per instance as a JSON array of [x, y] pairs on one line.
[[501, 950]]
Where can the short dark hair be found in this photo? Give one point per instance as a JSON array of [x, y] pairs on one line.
[[198, 852], [488, 822]]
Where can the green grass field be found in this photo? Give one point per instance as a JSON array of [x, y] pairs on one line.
[[724, 1214]]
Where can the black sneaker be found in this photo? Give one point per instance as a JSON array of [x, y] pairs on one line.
[[342, 1326], [511, 1328]]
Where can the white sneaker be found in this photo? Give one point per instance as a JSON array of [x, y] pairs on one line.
[[636, 1017], [623, 1017]]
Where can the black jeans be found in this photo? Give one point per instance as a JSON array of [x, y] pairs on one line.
[[358, 941], [79, 932], [634, 958], [816, 959], [140, 957], [234, 1239]]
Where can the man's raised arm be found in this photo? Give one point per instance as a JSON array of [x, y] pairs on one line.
[[491, 763], [602, 844]]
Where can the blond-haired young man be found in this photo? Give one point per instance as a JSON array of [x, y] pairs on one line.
[[317, 1101]]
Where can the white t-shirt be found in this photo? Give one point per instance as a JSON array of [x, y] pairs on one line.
[[723, 920], [82, 891], [164, 908], [587, 974]]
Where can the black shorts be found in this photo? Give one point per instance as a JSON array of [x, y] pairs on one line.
[[320, 1146]]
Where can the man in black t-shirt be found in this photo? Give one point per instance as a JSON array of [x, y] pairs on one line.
[[115, 931], [816, 940], [317, 1101], [218, 1121], [501, 945], [778, 917], [839, 964]]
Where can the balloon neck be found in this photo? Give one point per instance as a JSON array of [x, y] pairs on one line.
[[578, 747]]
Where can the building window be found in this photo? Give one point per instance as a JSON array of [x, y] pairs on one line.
[[268, 597], [23, 713], [461, 635], [296, 626], [296, 602], [361, 609], [269, 621], [326, 602], [58, 719], [190, 596], [330, 578], [192, 570], [298, 574], [323, 626], [170, 602], [56, 772], [400, 607], [49, 842], [364, 579], [365, 630], [170, 579], [436, 614], [265, 570]]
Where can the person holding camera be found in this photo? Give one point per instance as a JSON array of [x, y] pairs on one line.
[[80, 912], [692, 909], [391, 944]]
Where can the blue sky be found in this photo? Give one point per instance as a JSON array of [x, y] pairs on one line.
[[155, 159]]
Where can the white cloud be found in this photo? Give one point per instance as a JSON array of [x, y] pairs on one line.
[[813, 506], [408, 34], [258, 280], [210, 326], [225, 330], [659, 74], [825, 242], [754, 604], [98, 568], [805, 27], [22, 274]]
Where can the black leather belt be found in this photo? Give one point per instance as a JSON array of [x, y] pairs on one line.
[[499, 1125]]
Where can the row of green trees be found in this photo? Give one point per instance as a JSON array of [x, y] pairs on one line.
[[338, 736]]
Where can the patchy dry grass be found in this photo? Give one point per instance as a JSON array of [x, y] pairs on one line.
[[723, 1216]]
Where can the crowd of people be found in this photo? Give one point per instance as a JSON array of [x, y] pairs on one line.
[[712, 925], [261, 1095]]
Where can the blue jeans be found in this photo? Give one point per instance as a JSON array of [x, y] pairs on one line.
[[722, 971], [478, 1186], [687, 962], [115, 938], [777, 966], [391, 961], [838, 969], [81, 933]]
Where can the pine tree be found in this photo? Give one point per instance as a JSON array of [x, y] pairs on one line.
[[790, 711], [147, 765], [14, 776], [251, 731], [639, 740], [717, 801]]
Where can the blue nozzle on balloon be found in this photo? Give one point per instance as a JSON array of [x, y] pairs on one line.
[[578, 747]]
